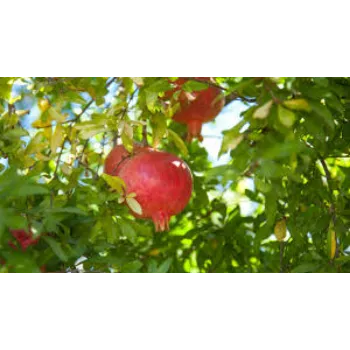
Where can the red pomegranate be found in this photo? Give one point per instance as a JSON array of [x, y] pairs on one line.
[[161, 181], [204, 107], [24, 238], [198, 107]]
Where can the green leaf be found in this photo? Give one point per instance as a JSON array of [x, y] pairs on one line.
[[152, 266], [15, 134], [307, 267], [324, 113], [164, 267], [25, 189], [127, 230], [179, 143], [286, 117], [159, 128], [232, 138], [20, 263], [193, 85], [56, 248], [133, 266], [270, 207], [111, 229], [151, 99]]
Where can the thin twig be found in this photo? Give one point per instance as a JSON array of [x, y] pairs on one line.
[[88, 168], [59, 157], [281, 255], [103, 149], [144, 136]]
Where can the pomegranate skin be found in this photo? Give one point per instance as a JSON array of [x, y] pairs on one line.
[[118, 156], [162, 183]]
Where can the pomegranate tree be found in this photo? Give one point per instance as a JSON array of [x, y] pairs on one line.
[[161, 182]]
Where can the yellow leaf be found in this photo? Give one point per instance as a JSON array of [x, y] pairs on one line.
[[57, 138], [332, 242], [134, 205], [28, 162], [127, 136], [22, 113], [297, 104], [48, 132], [280, 230], [41, 124], [37, 143], [115, 182], [55, 115], [263, 111], [40, 156], [333, 245]]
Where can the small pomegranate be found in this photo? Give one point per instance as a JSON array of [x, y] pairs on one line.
[[204, 107], [198, 107], [24, 238], [161, 181]]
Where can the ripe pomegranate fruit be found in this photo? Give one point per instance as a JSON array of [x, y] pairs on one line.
[[24, 238], [161, 181], [198, 107], [205, 106]]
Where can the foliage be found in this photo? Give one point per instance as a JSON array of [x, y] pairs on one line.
[[292, 144]]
